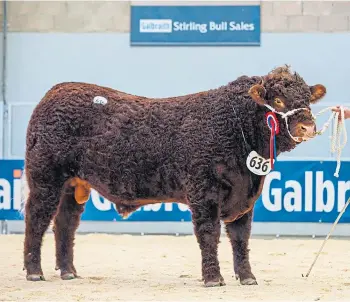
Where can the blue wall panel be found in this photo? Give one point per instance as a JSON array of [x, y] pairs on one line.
[[296, 191]]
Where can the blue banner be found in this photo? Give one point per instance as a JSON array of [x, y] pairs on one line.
[[195, 25], [296, 191]]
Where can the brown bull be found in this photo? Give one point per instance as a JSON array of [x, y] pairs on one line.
[[134, 151]]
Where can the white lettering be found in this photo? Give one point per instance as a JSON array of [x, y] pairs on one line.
[[321, 206], [308, 191], [17, 194], [168, 207], [155, 25], [295, 195], [97, 202], [114, 206], [241, 26], [5, 195], [176, 26], [192, 26], [217, 26], [343, 187], [152, 207], [183, 207], [277, 193]]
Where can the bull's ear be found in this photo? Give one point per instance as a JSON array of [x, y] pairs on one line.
[[257, 92], [318, 91]]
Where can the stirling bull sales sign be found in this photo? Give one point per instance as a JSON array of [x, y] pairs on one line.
[[195, 25]]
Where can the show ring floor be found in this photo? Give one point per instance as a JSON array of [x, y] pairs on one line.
[[167, 268]]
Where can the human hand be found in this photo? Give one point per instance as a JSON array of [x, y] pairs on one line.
[[346, 111]]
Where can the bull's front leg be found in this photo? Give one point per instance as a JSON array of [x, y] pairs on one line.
[[239, 233], [205, 217]]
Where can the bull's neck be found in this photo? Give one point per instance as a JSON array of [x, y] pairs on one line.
[[255, 130]]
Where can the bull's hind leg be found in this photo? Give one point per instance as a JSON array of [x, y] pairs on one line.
[[66, 222], [239, 234], [39, 210]]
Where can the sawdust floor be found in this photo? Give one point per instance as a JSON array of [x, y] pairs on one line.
[[164, 268]]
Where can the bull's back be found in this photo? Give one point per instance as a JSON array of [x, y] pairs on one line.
[[70, 111]]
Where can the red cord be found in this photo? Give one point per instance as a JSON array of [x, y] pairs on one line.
[[272, 145]]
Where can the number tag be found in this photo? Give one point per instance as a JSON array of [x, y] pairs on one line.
[[100, 100], [257, 164]]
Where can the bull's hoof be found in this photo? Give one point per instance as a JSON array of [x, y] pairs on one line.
[[68, 276], [237, 277], [215, 283], [249, 281], [35, 277]]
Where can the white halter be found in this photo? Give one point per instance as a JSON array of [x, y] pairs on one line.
[[285, 117]]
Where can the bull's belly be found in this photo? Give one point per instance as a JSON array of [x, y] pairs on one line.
[[229, 213], [125, 207]]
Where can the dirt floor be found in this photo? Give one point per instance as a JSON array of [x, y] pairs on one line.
[[166, 268]]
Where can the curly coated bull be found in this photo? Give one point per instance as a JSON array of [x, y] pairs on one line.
[[135, 150]]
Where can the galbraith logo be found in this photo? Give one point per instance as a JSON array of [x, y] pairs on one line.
[[155, 26], [168, 26]]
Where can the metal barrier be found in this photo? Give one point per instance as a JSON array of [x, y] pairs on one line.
[[4, 227]]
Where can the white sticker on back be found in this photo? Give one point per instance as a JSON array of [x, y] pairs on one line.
[[100, 100], [257, 164]]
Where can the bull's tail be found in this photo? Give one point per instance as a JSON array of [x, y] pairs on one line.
[[24, 192]]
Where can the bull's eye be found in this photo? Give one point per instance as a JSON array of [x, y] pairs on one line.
[[279, 103]]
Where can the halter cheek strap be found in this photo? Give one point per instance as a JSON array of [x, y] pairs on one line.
[[273, 124]]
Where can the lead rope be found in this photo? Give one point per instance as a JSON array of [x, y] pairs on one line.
[[336, 146], [329, 234], [338, 129]]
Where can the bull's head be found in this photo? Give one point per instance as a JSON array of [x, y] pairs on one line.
[[285, 92]]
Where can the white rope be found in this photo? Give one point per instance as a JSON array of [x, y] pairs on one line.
[[336, 146], [338, 129], [329, 234]]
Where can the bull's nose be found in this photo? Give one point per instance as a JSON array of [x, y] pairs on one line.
[[306, 130]]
